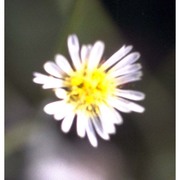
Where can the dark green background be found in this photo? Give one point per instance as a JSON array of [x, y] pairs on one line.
[[144, 146]]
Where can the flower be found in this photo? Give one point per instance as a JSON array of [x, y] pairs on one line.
[[90, 89]]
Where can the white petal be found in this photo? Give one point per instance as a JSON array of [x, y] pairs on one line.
[[63, 63], [117, 56], [55, 107], [128, 78], [73, 47], [131, 105], [99, 129], [95, 55], [40, 78], [60, 93], [53, 83], [81, 123], [118, 105], [91, 134], [89, 46], [130, 94], [47, 81], [63, 112], [52, 69], [85, 51], [137, 108], [59, 116], [125, 70], [130, 59], [117, 117], [67, 122], [106, 117]]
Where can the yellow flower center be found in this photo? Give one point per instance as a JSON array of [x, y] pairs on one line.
[[88, 89]]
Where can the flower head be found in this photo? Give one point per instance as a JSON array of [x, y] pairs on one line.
[[90, 90]]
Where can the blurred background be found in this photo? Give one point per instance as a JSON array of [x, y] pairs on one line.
[[144, 146]]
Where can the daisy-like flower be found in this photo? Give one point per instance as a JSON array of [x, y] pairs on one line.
[[90, 89]]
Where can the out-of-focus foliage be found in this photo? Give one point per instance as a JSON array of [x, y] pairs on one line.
[[143, 147]]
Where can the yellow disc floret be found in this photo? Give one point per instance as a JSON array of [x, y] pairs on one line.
[[87, 89]]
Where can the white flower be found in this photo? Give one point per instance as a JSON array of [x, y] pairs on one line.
[[90, 89]]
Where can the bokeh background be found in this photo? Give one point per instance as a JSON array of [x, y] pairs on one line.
[[144, 146]]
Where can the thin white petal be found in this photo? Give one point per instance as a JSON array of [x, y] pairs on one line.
[[63, 63], [40, 78], [114, 117], [137, 108], [99, 129], [81, 123], [85, 51], [116, 56], [130, 94], [59, 116], [89, 46], [54, 107], [47, 81], [130, 59], [53, 83], [128, 78], [106, 117], [63, 112], [67, 122], [125, 70], [52, 69], [131, 105], [95, 55], [91, 134], [73, 47], [118, 105], [60, 93], [117, 117]]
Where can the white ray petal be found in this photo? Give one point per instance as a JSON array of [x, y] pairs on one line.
[[63, 63], [81, 124], [117, 117], [95, 55], [59, 116], [63, 112], [128, 78], [130, 94], [116, 56], [137, 108], [130, 59], [55, 107], [85, 51], [114, 102], [67, 122], [53, 83], [99, 129], [73, 47], [131, 105], [47, 81], [89, 47], [60, 93], [91, 134], [125, 70], [53, 69], [40, 78], [106, 119]]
